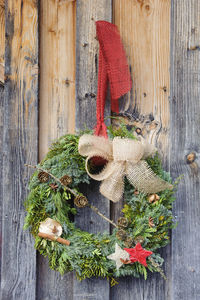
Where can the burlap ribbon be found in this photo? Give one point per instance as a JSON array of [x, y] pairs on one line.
[[125, 157]]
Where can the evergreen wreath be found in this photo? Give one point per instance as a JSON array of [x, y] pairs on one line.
[[55, 195]]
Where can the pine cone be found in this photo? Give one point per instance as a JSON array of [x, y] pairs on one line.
[[43, 176], [66, 180], [128, 242], [80, 201], [151, 223], [139, 239], [122, 222], [121, 234], [153, 198]]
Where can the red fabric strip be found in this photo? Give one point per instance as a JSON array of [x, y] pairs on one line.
[[113, 67]]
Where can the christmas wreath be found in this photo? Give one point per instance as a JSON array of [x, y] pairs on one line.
[[139, 234], [127, 166]]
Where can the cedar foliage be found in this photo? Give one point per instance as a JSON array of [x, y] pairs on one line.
[[87, 253]]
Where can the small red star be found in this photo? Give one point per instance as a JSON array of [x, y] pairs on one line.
[[138, 254]]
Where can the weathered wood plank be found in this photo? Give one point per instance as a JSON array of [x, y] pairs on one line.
[[89, 11], [1, 163], [57, 110], [2, 46], [50, 284], [2, 39], [145, 30], [57, 71], [185, 129], [1, 74], [18, 270]]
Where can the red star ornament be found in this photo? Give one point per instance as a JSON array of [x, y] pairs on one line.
[[138, 254]]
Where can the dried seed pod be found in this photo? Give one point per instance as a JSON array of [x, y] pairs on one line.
[[136, 192], [54, 230], [151, 223], [129, 242], [122, 222], [50, 226], [80, 201], [66, 180], [139, 239], [53, 186], [125, 261], [43, 176], [153, 198], [121, 234], [157, 197]]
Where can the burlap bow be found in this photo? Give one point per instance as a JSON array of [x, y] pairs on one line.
[[125, 157]]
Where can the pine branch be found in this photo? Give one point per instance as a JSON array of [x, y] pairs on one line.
[[54, 177], [158, 268], [94, 208]]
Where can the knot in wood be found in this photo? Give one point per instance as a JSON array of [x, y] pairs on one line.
[[138, 130], [191, 157]]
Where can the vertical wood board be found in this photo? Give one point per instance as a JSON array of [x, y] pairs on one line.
[[57, 110], [145, 30], [89, 11], [2, 46], [1, 163], [184, 139], [57, 71], [18, 270], [2, 39]]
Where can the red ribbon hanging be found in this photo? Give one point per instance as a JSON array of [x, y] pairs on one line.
[[113, 68]]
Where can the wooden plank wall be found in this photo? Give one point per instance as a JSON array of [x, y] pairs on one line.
[[184, 139], [163, 103], [20, 136]]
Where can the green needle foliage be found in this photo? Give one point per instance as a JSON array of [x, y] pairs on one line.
[[87, 253]]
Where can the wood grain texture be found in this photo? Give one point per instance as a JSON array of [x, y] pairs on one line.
[[144, 26], [2, 39], [57, 110], [18, 270], [145, 29], [89, 11], [1, 163], [50, 284], [2, 74], [57, 71], [185, 130]]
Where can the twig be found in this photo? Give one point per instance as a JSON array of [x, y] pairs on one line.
[[94, 208], [158, 268], [55, 178], [54, 238]]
